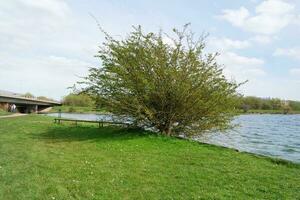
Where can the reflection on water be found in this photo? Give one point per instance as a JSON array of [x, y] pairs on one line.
[[271, 135], [90, 117]]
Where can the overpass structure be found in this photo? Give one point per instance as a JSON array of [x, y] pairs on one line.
[[24, 104]]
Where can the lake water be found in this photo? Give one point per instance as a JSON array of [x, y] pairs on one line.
[[271, 135], [90, 117]]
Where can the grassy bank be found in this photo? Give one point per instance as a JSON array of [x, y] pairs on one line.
[[2, 112], [42, 160]]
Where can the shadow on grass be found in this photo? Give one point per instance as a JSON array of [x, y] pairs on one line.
[[65, 133]]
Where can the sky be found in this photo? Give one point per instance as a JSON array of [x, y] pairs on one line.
[[48, 45]]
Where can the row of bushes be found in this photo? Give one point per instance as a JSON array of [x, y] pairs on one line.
[[256, 103], [81, 100], [244, 103]]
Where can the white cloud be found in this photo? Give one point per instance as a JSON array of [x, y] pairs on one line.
[[270, 17], [262, 39], [241, 67], [297, 20], [236, 66], [235, 17], [45, 75], [290, 52], [32, 30], [54, 7], [28, 23], [221, 44], [273, 87], [295, 71], [274, 7]]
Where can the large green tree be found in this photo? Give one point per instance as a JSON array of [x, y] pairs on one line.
[[170, 86], [82, 100]]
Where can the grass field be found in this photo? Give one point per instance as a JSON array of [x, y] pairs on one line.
[[42, 160], [2, 112]]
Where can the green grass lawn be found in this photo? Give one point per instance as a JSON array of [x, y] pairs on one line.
[[42, 160], [2, 112]]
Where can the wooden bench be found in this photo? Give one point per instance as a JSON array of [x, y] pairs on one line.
[[101, 123]]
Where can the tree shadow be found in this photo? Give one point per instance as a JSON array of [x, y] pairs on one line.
[[63, 133]]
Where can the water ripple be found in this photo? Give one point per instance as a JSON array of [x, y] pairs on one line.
[[271, 135]]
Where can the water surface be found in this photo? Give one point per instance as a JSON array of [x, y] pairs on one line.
[[80, 116], [271, 135]]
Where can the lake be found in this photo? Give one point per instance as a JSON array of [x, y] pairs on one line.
[[79, 116], [271, 135]]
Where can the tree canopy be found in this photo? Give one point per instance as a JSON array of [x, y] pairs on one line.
[[45, 98], [173, 87], [74, 99], [29, 95], [257, 103]]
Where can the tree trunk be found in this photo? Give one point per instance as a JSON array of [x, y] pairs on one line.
[[167, 131]]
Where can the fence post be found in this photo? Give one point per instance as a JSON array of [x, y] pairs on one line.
[[59, 113]]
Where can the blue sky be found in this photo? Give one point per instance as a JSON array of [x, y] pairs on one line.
[[46, 45]]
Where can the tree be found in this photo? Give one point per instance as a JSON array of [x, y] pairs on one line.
[[174, 88], [253, 102], [286, 108], [82, 100], [276, 103], [29, 95], [44, 98], [295, 105]]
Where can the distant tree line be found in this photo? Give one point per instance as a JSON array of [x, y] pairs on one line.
[[243, 103], [257, 103], [81, 100]]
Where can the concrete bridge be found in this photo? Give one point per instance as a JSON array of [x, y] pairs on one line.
[[23, 104]]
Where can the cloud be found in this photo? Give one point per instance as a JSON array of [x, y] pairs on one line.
[[274, 7], [295, 71], [241, 67], [262, 39], [290, 52], [221, 44], [235, 17], [270, 17], [53, 7], [273, 87], [236, 66], [42, 47], [26, 24], [45, 75]]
